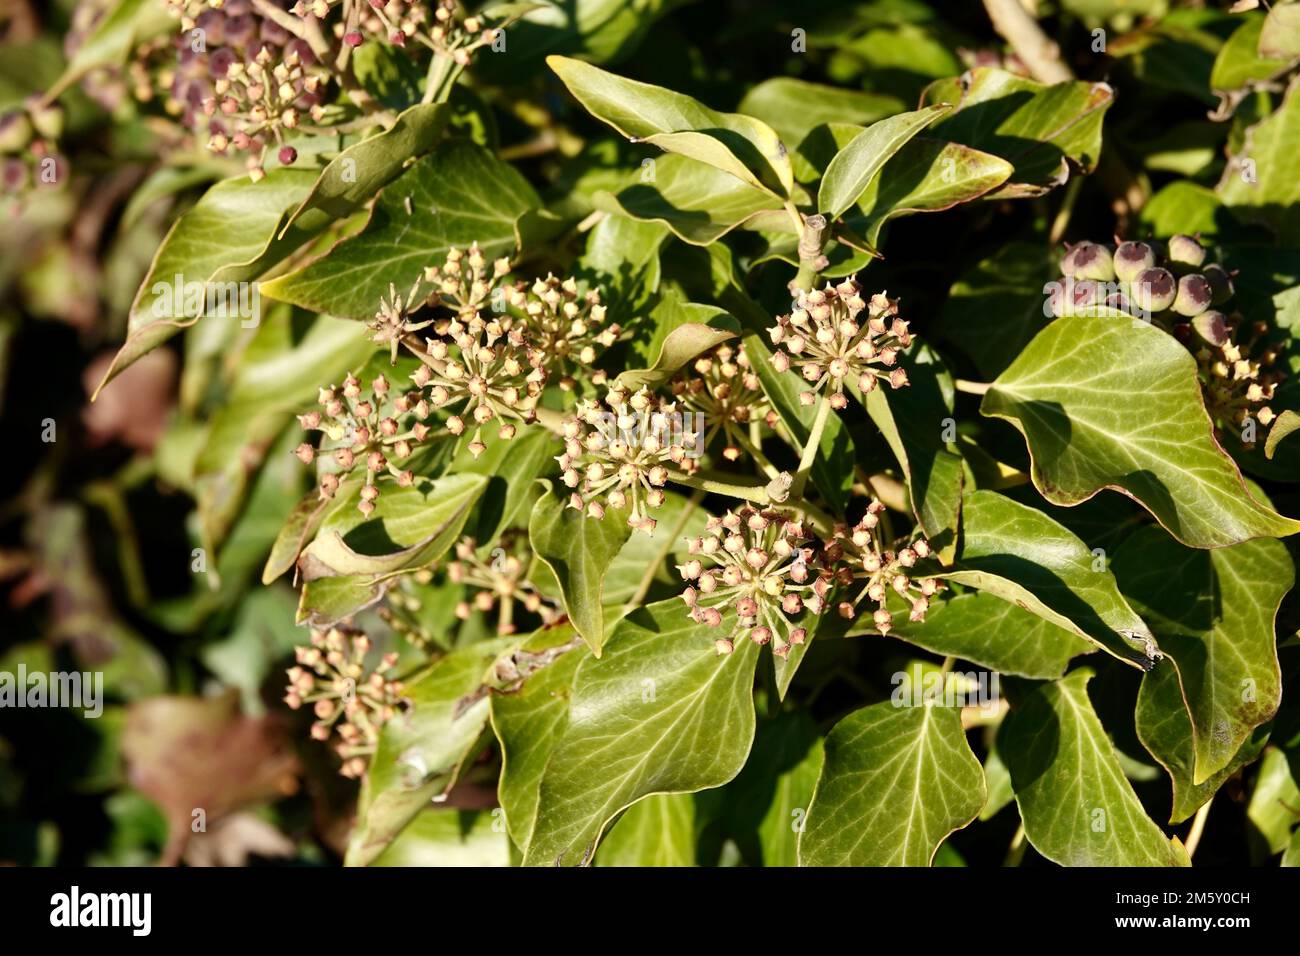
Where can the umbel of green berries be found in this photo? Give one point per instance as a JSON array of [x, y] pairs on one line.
[[347, 698], [834, 338], [751, 573], [1174, 286], [371, 431]]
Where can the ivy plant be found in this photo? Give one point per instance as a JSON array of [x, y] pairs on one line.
[[873, 452]]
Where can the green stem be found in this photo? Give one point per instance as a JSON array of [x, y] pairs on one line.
[[811, 447], [443, 72]]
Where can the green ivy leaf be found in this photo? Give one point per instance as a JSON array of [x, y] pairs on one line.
[[353, 558], [447, 837], [229, 236], [926, 175], [456, 195], [854, 167], [896, 782], [1238, 63], [1273, 802], [682, 343], [658, 830], [698, 202], [1086, 431], [1214, 612], [1038, 128], [1078, 809], [579, 550], [421, 751], [795, 107], [740, 145], [125, 25], [1023, 556], [994, 633], [660, 712], [1285, 424], [1268, 191], [529, 719], [353, 177]]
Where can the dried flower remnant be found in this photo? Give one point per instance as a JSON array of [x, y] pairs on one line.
[[619, 456], [443, 27], [499, 581], [368, 433], [348, 700], [829, 341], [757, 564], [725, 390], [860, 556], [464, 283]]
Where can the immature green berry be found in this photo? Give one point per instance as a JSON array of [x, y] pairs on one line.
[[1186, 252]]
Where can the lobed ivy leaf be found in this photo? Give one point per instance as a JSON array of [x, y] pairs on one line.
[[1078, 809], [660, 712], [1040, 129], [529, 718], [458, 194], [981, 627], [746, 148], [656, 831], [896, 782], [1214, 612], [1137, 425], [1021, 555]]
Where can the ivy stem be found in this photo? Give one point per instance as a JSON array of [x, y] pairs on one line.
[[971, 388], [1016, 852], [443, 72], [812, 236], [1198, 828], [811, 448]]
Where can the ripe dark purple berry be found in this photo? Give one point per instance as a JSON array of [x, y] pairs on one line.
[[288, 155]]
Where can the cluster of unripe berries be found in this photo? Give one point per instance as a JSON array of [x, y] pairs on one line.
[[860, 556], [259, 102], [565, 326], [447, 30], [756, 564], [619, 456], [347, 699], [726, 391], [1173, 286], [833, 344], [367, 433], [235, 77], [27, 143], [499, 582]]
